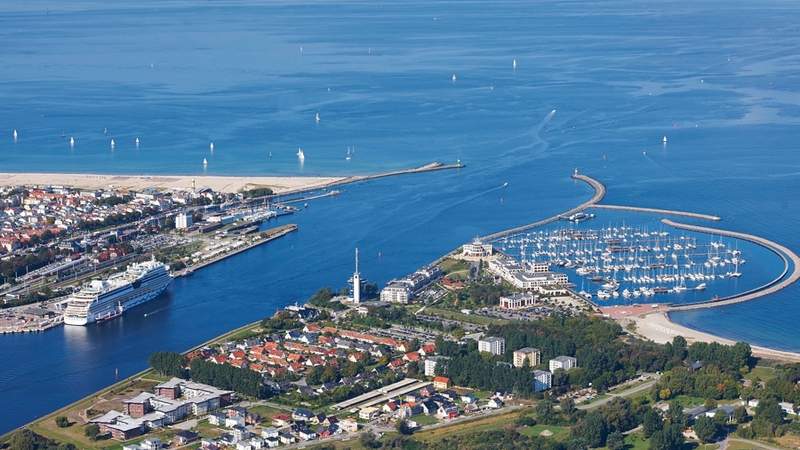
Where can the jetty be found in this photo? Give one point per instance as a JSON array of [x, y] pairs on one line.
[[599, 193], [265, 236], [669, 212], [786, 278]]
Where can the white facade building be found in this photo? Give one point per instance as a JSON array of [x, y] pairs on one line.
[[493, 345], [563, 362]]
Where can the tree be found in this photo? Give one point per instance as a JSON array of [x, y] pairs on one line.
[[23, 440], [403, 428], [592, 429], [651, 422], [619, 415], [62, 421], [768, 418], [169, 364], [740, 414], [615, 441], [670, 438], [368, 440], [706, 429], [92, 431]]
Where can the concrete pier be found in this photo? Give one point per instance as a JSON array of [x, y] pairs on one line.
[[786, 278], [670, 212], [599, 193]]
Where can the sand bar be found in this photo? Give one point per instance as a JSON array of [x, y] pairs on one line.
[[138, 182]]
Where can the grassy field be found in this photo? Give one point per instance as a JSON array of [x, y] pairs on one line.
[[762, 373], [560, 434], [480, 424], [424, 420], [469, 318]]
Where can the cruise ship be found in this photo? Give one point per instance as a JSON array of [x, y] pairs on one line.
[[106, 299]]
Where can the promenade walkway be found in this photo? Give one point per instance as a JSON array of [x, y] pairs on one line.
[[775, 285], [670, 212]]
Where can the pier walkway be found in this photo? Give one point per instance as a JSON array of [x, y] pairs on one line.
[[659, 211], [773, 286], [599, 193]]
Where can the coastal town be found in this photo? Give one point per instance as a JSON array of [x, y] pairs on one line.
[[56, 238], [474, 338]]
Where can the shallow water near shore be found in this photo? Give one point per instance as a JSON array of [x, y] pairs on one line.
[[597, 85]]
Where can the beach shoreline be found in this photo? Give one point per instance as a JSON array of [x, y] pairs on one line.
[[219, 183], [655, 325]]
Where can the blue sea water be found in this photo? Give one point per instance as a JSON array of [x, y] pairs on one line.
[[719, 78]]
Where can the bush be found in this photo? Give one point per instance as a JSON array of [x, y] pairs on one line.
[[92, 431], [62, 421]]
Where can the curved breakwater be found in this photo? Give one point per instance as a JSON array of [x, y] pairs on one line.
[[775, 285], [670, 212]]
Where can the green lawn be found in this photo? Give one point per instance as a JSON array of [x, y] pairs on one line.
[[560, 434], [457, 315], [424, 420], [763, 373]]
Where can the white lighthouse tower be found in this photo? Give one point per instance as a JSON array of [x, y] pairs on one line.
[[356, 283]]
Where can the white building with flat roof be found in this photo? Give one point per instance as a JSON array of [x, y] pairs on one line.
[[396, 292], [183, 221], [492, 344], [563, 362]]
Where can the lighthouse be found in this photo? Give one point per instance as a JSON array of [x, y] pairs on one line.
[[356, 283]]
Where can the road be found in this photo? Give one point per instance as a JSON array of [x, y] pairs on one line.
[[626, 393]]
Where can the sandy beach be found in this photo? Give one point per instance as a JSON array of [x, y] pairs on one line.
[[138, 182], [654, 324]]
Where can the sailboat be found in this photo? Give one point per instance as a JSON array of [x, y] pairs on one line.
[[137, 142], [113, 144], [316, 118], [211, 146], [300, 154], [349, 155], [664, 139], [453, 78], [71, 141], [514, 64], [15, 134], [205, 162]]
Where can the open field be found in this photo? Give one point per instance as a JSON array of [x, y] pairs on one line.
[[468, 426]]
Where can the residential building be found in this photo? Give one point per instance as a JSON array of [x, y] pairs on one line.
[[183, 221], [492, 344], [533, 357], [563, 362], [441, 383], [542, 380]]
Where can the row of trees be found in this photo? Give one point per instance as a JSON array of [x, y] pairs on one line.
[[225, 376], [170, 364]]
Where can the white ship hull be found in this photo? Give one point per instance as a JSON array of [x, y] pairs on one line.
[[125, 296]]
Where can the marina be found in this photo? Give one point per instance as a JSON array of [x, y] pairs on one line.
[[630, 263]]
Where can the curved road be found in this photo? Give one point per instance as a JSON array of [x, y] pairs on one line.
[[775, 285]]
